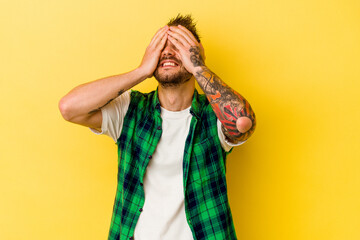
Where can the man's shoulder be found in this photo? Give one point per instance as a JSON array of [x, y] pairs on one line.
[[142, 102], [138, 97]]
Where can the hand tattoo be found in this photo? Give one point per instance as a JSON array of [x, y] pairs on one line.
[[227, 104], [195, 56]]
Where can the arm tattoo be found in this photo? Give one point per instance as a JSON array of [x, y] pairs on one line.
[[98, 109], [227, 104]]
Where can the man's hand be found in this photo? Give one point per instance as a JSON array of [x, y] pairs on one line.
[[190, 50], [153, 51]]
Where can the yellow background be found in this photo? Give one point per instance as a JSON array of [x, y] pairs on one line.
[[296, 62]]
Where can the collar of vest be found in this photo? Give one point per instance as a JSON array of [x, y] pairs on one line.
[[195, 108]]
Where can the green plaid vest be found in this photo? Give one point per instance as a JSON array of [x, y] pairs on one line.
[[206, 203]]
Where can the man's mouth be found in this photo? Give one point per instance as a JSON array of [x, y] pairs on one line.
[[168, 63]]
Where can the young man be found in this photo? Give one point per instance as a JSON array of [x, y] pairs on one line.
[[172, 142]]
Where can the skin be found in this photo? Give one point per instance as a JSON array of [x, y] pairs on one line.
[[82, 104]]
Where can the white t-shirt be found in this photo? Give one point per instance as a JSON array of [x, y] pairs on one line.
[[163, 215]]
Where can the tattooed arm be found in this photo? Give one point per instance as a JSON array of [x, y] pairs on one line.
[[82, 105], [233, 111]]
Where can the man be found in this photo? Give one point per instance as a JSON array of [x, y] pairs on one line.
[[172, 142]]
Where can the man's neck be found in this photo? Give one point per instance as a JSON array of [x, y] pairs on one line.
[[177, 98]]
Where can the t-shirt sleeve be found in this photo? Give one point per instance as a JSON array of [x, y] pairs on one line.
[[113, 115], [226, 145]]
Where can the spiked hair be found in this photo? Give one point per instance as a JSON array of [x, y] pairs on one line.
[[185, 21]]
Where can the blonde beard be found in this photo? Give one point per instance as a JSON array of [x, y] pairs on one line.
[[173, 80]]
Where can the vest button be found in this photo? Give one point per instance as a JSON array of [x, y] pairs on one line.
[[131, 238], [159, 128], [140, 210], [149, 156], [141, 184]]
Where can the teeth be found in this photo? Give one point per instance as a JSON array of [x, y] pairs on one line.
[[169, 64]]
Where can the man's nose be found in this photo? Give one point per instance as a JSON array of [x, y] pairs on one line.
[[169, 49]]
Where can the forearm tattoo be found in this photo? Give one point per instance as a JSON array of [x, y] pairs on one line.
[[98, 109], [227, 104]]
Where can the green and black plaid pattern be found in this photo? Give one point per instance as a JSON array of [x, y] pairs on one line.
[[206, 203]]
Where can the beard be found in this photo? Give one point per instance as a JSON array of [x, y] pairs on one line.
[[169, 79]]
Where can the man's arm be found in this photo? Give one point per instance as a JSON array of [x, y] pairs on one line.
[[233, 111], [82, 105]]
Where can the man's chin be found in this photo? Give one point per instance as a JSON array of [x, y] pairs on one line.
[[172, 82], [172, 79]]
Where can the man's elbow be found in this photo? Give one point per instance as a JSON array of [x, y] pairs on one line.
[[243, 124], [246, 127], [65, 110]]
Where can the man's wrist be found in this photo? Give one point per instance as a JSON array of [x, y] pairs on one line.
[[198, 69], [141, 74]]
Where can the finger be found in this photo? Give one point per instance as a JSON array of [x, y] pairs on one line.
[[158, 35], [184, 35], [158, 41], [159, 32], [180, 38], [175, 42], [162, 42], [155, 35], [189, 34]]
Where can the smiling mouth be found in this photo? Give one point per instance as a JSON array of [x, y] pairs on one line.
[[168, 64]]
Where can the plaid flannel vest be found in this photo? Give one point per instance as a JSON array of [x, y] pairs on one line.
[[205, 191]]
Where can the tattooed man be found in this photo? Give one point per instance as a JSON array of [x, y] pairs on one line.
[[172, 142]]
